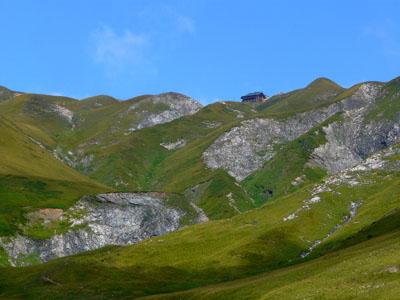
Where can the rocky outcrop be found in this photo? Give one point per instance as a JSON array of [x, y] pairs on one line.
[[353, 139], [174, 106], [174, 145], [63, 112], [80, 159], [105, 219], [245, 148]]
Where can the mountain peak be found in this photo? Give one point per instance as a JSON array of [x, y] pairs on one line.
[[174, 96], [98, 101], [323, 82]]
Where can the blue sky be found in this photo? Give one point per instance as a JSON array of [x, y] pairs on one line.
[[210, 50]]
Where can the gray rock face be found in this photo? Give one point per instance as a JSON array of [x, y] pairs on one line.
[[105, 219], [73, 159], [244, 149], [352, 140], [63, 112], [177, 105], [174, 145]]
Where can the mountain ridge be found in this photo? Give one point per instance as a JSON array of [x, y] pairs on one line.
[[275, 186]]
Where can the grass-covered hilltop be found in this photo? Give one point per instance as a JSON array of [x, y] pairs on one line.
[[158, 197]]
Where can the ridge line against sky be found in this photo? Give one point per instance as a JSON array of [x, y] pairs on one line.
[[208, 50]]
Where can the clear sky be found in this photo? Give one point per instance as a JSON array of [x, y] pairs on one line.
[[210, 50]]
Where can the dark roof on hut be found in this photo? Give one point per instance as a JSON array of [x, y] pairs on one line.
[[254, 94]]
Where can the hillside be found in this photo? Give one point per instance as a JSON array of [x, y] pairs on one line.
[[318, 92], [228, 201], [97, 102], [350, 208], [31, 178]]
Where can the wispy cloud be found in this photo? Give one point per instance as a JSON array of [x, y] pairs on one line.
[[118, 51], [160, 29]]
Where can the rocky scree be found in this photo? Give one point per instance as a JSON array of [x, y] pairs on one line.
[[351, 177]]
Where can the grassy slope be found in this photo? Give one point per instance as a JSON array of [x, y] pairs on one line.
[[184, 168], [139, 160], [133, 159], [319, 92], [31, 177], [22, 156], [251, 243], [359, 272], [31, 113], [5, 93], [96, 124], [371, 253], [274, 179], [96, 102], [388, 103], [21, 194], [125, 162], [328, 277], [34, 111]]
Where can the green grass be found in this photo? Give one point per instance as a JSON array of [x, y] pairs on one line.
[[320, 91], [40, 231], [31, 178], [248, 256], [5, 93], [96, 102], [34, 110], [185, 169], [141, 162], [20, 195], [359, 272], [137, 161], [3, 258], [388, 103], [22, 156], [101, 131], [257, 242]]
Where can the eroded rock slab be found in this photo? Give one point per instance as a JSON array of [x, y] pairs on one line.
[[174, 106], [352, 139], [105, 219]]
